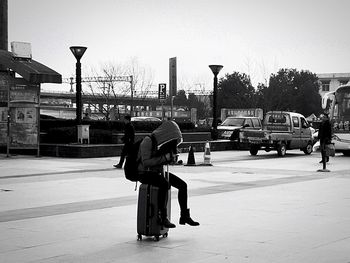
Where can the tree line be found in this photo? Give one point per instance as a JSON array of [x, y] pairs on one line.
[[287, 90]]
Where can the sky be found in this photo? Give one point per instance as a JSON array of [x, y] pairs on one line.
[[256, 37]]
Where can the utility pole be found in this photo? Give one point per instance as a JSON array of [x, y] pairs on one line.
[[132, 96]]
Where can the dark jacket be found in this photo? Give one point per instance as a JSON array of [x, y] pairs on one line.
[[325, 132], [129, 133], [150, 158]]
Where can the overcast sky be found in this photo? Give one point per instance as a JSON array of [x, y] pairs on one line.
[[256, 37]]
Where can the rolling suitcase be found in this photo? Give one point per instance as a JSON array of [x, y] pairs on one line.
[[147, 213]]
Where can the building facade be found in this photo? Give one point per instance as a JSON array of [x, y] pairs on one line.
[[331, 81]]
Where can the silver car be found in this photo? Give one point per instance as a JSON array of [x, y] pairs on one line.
[[232, 126], [145, 118]]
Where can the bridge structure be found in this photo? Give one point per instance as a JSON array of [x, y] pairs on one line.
[[148, 99], [99, 98], [98, 102], [112, 98], [61, 104]]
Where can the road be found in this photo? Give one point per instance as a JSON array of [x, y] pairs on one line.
[[251, 208]]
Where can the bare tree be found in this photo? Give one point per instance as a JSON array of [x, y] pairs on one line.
[[112, 82], [142, 77]]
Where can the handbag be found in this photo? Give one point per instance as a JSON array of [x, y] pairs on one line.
[[330, 149]]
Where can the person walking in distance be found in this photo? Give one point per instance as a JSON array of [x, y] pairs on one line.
[[325, 137], [128, 139], [155, 151]]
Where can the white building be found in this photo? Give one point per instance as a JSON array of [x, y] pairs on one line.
[[331, 81]]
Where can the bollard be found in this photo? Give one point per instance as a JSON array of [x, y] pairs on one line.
[[207, 158]]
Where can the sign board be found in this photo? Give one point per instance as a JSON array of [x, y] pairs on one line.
[[172, 77], [251, 112], [21, 50], [24, 94], [162, 91]]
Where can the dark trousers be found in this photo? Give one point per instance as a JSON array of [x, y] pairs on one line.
[[157, 179], [324, 154], [124, 152]]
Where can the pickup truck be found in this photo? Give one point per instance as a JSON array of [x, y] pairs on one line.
[[281, 131]]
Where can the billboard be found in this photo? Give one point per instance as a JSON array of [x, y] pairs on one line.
[[24, 115]]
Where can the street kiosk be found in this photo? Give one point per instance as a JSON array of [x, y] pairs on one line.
[[20, 79]]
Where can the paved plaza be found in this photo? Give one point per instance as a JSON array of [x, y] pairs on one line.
[[251, 209]]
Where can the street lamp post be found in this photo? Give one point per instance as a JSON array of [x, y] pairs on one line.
[[132, 96], [78, 52], [172, 108], [215, 69]]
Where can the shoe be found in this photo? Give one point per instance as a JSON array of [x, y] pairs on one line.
[[323, 170], [167, 224], [327, 160], [186, 219], [119, 166], [163, 219]]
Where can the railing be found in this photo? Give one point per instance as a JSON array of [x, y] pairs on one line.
[[149, 94]]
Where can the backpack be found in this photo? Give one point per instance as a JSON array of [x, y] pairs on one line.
[[132, 161]]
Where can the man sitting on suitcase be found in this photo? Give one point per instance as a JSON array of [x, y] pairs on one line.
[[156, 151]]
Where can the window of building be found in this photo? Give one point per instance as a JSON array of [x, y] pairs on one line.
[[344, 82], [325, 85]]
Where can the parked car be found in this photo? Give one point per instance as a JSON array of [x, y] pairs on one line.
[[145, 118], [341, 144], [282, 131], [232, 126]]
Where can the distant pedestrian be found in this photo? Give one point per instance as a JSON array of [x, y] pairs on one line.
[[128, 139], [325, 137]]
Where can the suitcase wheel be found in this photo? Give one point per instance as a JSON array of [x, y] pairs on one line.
[[156, 238], [139, 237], [165, 235]]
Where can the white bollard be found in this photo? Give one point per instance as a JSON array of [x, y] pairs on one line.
[[207, 158]]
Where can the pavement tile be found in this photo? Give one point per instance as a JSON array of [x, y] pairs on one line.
[[262, 209]]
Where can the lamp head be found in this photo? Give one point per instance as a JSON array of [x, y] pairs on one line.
[[78, 51], [215, 68]]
